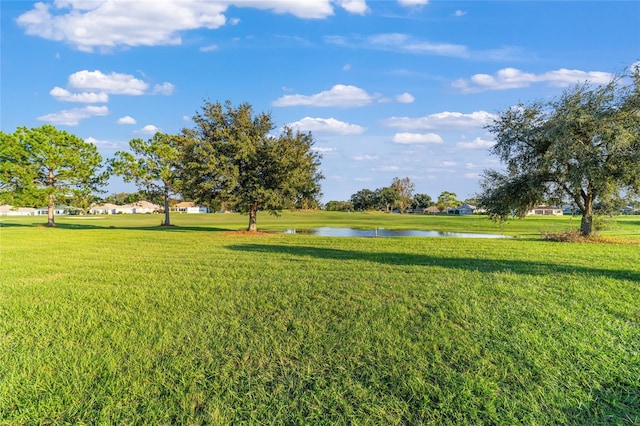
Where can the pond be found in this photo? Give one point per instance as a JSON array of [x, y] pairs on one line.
[[381, 232]]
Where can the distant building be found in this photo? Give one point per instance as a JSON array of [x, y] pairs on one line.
[[8, 210], [190, 207], [545, 211]]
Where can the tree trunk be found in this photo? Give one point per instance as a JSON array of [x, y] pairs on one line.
[[253, 214], [586, 223], [52, 200], [50, 211], [167, 219]]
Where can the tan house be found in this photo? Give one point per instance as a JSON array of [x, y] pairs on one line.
[[190, 207], [432, 210]]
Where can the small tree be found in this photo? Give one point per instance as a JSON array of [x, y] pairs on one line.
[[584, 146], [151, 165], [231, 157], [447, 200], [43, 164], [363, 200], [404, 187], [387, 197], [422, 201]]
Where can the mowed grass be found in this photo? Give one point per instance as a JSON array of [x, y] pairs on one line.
[[119, 321]]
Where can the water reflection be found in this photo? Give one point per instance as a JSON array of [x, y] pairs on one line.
[[381, 232]]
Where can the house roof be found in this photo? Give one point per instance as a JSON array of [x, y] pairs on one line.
[[145, 204], [108, 206], [186, 204]]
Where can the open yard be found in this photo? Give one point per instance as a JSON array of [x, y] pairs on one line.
[[115, 320]]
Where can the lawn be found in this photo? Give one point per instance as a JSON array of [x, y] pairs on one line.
[[118, 321]]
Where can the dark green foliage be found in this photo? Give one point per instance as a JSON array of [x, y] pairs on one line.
[[583, 148], [43, 164], [151, 165], [231, 157]]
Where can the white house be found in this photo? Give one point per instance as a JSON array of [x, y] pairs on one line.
[[107, 208], [545, 211], [190, 207], [7, 210], [133, 208], [59, 210]]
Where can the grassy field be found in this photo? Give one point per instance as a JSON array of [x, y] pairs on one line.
[[118, 321]]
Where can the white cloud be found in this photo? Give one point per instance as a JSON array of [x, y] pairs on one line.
[[478, 143], [448, 163], [405, 43], [442, 120], [72, 117], [405, 98], [149, 129], [113, 83], [358, 7], [107, 24], [386, 169], [458, 13], [365, 157], [408, 44], [327, 125], [322, 149], [209, 48], [60, 94], [163, 89], [338, 96], [126, 120], [346, 67], [512, 78], [101, 143], [412, 3], [417, 138]]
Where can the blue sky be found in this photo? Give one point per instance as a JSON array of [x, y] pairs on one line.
[[388, 88]]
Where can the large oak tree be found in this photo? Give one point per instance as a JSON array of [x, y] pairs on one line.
[[584, 147], [44, 164], [230, 156]]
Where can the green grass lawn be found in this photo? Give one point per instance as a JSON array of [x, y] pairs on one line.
[[118, 321]]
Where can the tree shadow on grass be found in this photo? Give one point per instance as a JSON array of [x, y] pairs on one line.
[[467, 263], [616, 403], [91, 226]]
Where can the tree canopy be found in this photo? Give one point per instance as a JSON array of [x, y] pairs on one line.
[[583, 147], [43, 164], [151, 165], [404, 188], [230, 156]]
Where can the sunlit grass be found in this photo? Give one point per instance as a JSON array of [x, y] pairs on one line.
[[119, 321]]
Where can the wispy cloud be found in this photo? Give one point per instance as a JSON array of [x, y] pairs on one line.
[[406, 43], [72, 117], [513, 78], [477, 143], [441, 120], [60, 94]]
